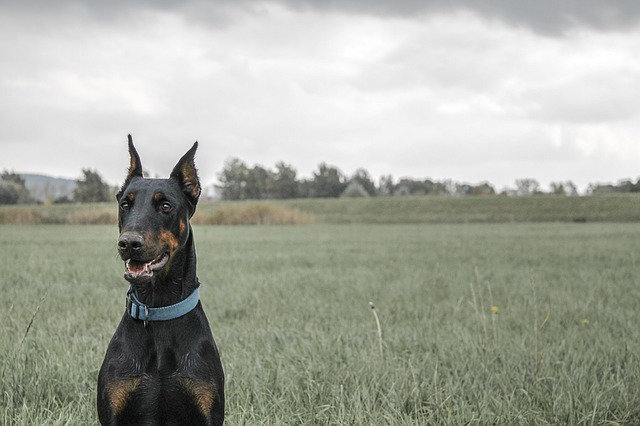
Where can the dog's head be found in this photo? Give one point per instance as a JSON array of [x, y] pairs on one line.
[[153, 216]]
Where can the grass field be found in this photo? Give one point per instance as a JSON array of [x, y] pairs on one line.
[[508, 324]]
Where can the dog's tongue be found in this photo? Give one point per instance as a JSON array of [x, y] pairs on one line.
[[136, 268], [141, 271]]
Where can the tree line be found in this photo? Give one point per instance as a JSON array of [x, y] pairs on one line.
[[89, 188], [239, 181]]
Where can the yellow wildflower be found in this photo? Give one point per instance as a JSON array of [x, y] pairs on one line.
[[495, 310]]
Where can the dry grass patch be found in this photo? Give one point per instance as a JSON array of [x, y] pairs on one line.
[[253, 214]]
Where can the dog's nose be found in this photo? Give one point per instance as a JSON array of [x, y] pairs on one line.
[[130, 242]]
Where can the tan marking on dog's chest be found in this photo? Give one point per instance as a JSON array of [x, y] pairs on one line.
[[120, 391], [204, 393]]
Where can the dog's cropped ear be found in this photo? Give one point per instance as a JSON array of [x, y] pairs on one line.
[[135, 166], [186, 174]]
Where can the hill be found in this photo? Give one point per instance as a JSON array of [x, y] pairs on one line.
[[43, 188]]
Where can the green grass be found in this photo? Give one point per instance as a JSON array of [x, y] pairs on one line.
[[290, 310]]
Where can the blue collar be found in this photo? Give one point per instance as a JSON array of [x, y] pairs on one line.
[[140, 311]]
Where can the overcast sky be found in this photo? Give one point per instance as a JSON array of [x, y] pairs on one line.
[[471, 91]]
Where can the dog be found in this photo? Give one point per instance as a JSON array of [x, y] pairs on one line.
[[162, 366]]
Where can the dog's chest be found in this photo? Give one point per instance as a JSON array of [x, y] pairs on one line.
[[169, 400], [161, 383]]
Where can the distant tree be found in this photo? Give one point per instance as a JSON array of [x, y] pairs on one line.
[[233, 179], [355, 190], [463, 189], [258, 183], [450, 187], [430, 187], [8, 193], [385, 185], [13, 189], [328, 181], [407, 186], [527, 186], [306, 188], [570, 188], [284, 183], [599, 189], [624, 185], [564, 188], [484, 188], [402, 189], [627, 185], [91, 188], [439, 188], [557, 188], [361, 176]]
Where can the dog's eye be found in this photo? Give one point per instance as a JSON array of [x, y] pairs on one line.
[[166, 207], [124, 205]]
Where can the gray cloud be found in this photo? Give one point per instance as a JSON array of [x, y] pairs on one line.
[[543, 16], [550, 17]]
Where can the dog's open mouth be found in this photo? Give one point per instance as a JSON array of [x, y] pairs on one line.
[[135, 270]]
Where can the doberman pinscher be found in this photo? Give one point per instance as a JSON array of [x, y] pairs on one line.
[[162, 365]]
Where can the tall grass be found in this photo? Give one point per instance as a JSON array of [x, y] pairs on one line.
[[253, 214], [67, 214], [480, 324], [106, 213]]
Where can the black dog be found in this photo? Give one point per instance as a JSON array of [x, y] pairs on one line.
[[162, 365]]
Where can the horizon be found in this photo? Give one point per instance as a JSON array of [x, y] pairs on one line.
[[216, 184]]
